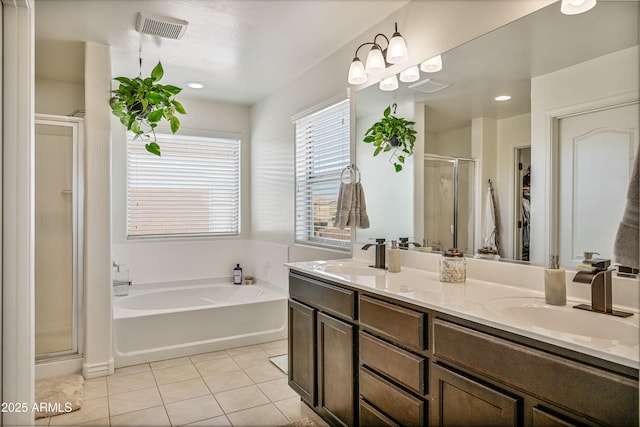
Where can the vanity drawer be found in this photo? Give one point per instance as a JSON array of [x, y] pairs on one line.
[[391, 400], [399, 324], [405, 367], [370, 416], [563, 382], [331, 299]]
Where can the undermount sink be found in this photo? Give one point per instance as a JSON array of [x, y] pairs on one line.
[[566, 319], [350, 269]]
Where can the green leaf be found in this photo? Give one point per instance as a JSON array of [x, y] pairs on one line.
[[174, 90], [401, 159], [179, 108], [155, 98], [175, 124], [155, 116], [369, 138], [387, 111], [398, 167], [153, 148], [157, 72], [377, 151], [123, 80]]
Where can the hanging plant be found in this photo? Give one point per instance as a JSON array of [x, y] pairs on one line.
[[392, 133], [142, 103]]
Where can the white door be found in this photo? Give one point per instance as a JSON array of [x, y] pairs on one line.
[[596, 154]]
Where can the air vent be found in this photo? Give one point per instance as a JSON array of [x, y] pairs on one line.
[[161, 26], [429, 85]]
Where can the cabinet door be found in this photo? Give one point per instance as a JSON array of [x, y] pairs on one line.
[[302, 351], [336, 370], [462, 401]]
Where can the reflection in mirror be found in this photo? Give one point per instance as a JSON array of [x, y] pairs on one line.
[[554, 67]]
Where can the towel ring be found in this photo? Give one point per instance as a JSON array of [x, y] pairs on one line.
[[350, 168]]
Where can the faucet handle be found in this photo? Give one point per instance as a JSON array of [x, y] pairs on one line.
[[380, 241], [599, 264]]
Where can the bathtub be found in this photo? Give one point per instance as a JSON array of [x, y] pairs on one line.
[[174, 320]]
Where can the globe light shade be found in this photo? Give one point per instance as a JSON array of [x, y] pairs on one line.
[[375, 64], [397, 52], [574, 7], [432, 65], [411, 74], [357, 73], [389, 83]]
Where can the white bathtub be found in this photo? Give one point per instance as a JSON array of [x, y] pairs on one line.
[[175, 320]]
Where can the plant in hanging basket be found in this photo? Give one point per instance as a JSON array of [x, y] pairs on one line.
[[392, 133], [141, 103]]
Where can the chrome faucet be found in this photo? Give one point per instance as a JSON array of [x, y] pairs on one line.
[[380, 253], [600, 280], [404, 243]]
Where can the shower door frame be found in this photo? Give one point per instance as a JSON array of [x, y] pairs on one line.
[[77, 194], [455, 161]]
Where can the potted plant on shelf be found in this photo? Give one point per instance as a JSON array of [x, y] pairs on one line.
[[392, 133], [141, 104]]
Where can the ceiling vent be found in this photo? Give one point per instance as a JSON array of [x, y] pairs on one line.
[[429, 85], [161, 26]]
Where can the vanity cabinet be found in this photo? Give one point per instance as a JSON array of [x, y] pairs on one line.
[[359, 358], [394, 364], [322, 334], [507, 383]]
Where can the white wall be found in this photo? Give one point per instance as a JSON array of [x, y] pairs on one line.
[[429, 29], [453, 143], [603, 81]]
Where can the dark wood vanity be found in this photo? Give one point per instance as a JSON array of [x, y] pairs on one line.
[[359, 358]]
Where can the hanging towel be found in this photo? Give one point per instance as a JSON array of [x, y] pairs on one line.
[[344, 202], [625, 248], [490, 228], [359, 217]]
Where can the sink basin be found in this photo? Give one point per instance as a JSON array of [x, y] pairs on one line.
[[565, 319], [350, 269]]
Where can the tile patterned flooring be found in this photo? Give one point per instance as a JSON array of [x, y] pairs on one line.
[[236, 387]]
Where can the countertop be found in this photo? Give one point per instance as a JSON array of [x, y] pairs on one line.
[[484, 302]]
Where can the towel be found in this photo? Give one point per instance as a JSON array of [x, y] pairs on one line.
[[625, 247], [351, 208], [343, 206], [489, 227]]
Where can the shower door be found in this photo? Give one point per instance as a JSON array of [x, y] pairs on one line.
[[449, 203], [58, 225]]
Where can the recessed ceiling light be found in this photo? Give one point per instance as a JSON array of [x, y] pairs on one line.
[[195, 85], [502, 98]]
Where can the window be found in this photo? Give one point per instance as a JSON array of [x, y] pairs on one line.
[[193, 189], [322, 152]]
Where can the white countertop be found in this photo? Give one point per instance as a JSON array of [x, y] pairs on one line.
[[481, 301]]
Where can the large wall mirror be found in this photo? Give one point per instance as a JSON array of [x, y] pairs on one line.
[[558, 155]]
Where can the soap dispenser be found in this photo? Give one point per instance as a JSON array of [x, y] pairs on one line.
[[394, 258], [555, 288], [237, 275]]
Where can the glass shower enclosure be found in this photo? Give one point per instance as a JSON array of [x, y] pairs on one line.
[[58, 231], [449, 213]]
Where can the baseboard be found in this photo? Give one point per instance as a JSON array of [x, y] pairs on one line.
[[94, 370]]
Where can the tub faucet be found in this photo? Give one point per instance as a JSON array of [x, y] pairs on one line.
[[380, 253], [600, 280], [404, 243]]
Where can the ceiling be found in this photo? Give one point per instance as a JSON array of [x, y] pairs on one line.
[[243, 50]]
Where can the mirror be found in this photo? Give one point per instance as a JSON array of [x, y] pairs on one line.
[[554, 67]]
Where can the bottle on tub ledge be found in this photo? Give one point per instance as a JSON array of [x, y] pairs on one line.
[[237, 275]]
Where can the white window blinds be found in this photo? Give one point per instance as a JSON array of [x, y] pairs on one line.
[[192, 189], [322, 152]]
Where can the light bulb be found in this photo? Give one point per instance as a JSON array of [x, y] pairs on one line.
[[432, 65], [411, 74], [375, 61], [397, 52], [574, 7], [389, 83], [357, 73]]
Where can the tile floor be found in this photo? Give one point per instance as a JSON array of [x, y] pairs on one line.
[[236, 387]]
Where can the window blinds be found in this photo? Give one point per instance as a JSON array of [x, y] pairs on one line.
[[322, 152], [192, 189]]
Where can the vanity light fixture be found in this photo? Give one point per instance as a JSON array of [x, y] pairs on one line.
[[432, 65], [502, 98], [195, 85], [411, 74], [574, 7], [378, 59], [390, 83]]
